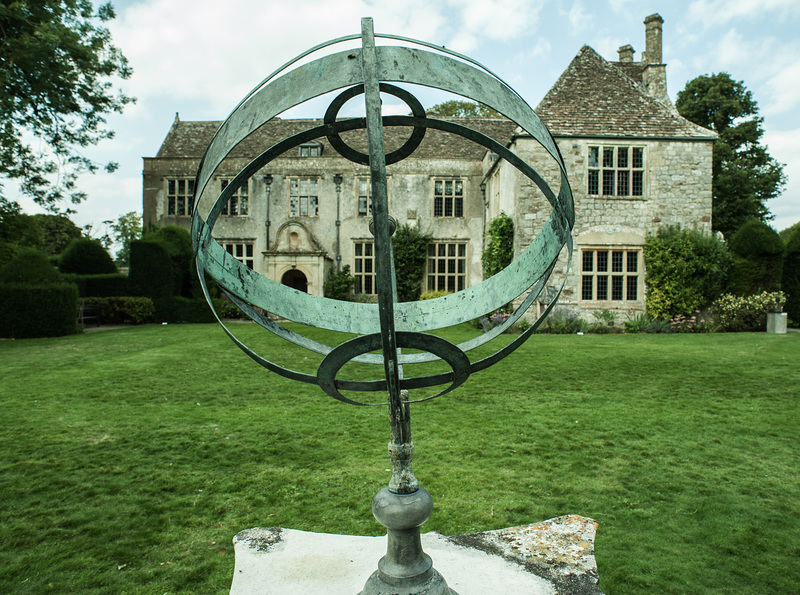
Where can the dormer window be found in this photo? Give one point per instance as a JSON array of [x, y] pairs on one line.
[[311, 150]]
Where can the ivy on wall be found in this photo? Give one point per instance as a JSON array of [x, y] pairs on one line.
[[410, 247], [499, 251]]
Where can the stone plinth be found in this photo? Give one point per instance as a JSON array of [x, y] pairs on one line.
[[777, 322], [554, 557]]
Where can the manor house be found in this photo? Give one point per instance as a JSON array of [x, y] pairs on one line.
[[633, 162]]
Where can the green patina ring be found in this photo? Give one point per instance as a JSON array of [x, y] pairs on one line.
[[347, 151], [344, 353]]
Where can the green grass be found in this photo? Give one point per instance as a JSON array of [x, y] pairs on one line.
[[130, 458]]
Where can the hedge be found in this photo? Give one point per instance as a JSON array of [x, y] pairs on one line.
[[178, 309], [115, 284], [791, 276], [28, 311], [124, 310]]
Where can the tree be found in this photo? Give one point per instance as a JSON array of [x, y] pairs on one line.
[[55, 59], [17, 228], [463, 109], [126, 229], [744, 175], [57, 232]]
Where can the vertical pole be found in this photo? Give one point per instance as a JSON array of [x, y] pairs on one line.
[[402, 506]]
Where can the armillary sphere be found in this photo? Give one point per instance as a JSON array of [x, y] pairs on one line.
[[389, 326]]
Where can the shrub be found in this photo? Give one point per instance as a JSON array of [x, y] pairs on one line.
[[85, 256], [99, 285], [607, 317], [499, 251], [746, 314], [690, 324], [410, 248], [124, 310], [338, 285], [637, 323], [430, 295], [563, 322], [759, 259], [28, 310], [30, 266], [686, 270], [791, 275], [227, 309]]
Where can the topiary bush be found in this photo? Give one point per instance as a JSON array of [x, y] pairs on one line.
[[686, 270], [758, 261], [30, 266], [177, 242], [151, 270], [29, 310], [85, 256]]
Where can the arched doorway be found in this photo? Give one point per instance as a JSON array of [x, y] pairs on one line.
[[296, 280]]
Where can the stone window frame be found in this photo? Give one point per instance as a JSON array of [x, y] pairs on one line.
[[615, 170], [238, 204], [447, 265], [310, 150], [611, 275], [448, 197], [363, 197], [241, 250], [364, 267], [303, 203], [180, 196]]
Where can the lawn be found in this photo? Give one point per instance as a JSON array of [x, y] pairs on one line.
[[131, 457]]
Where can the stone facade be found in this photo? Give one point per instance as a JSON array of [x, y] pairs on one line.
[[633, 162]]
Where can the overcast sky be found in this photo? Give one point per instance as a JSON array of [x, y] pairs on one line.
[[200, 57]]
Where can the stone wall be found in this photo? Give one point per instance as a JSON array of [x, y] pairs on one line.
[[676, 191]]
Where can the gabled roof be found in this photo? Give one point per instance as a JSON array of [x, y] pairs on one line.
[[190, 139], [596, 98]]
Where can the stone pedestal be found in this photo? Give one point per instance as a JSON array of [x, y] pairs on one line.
[[776, 322], [554, 557]]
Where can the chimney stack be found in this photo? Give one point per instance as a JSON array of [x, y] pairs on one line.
[[652, 38], [654, 75], [626, 53]]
